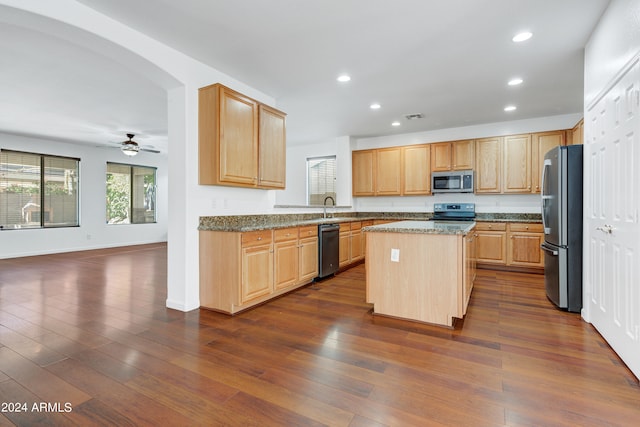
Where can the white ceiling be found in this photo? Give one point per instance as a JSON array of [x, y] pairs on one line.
[[449, 60]]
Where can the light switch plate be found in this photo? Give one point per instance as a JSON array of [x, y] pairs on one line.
[[395, 255]]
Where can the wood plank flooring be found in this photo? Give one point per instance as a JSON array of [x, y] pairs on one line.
[[86, 337]]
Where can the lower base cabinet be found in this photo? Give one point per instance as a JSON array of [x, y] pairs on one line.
[[239, 270], [512, 245]]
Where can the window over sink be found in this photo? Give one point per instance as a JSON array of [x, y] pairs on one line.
[[321, 180]]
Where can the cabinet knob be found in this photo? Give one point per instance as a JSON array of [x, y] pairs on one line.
[[259, 238]]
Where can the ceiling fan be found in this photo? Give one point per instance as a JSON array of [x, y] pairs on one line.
[[131, 148]]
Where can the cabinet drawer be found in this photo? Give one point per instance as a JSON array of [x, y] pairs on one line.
[[283, 234], [259, 237], [526, 227], [356, 225], [345, 226], [308, 231], [491, 226]]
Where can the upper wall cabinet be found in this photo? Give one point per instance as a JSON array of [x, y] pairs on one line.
[[394, 171], [541, 143], [241, 142], [454, 155]]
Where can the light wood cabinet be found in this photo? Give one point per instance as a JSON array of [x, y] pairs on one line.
[[425, 283], [307, 254], [232, 129], [257, 265], [541, 143], [509, 244], [272, 145], [286, 253], [453, 155], [392, 171], [491, 243], [344, 245], [416, 173], [577, 133], [488, 172], [362, 173], [469, 262], [241, 269], [388, 171], [517, 164], [524, 245], [356, 246]]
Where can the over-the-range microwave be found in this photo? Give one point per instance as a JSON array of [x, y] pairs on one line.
[[452, 182]]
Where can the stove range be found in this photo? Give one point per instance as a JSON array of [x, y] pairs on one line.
[[454, 212]]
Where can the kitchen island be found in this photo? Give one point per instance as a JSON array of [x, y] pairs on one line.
[[420, 270]]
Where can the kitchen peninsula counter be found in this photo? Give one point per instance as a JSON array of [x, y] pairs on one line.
[[420, 270]]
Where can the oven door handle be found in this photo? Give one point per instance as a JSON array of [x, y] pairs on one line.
[[549, 249]]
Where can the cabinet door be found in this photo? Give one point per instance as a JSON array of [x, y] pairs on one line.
[[577, 133], [388, 170], [238, 138], [517, 164], [308, 259], [257, 272], [488, 165], [356, 244], [286, 263], [491, 247], [524, 249], [417, 170], [541, 143], [441, 157], [344, 252], [362, 173], [462, 155], [272, 147]]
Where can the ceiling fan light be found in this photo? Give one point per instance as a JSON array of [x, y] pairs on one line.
[[130, 149]]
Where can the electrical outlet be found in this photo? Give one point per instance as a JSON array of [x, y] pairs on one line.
[[395, 255]]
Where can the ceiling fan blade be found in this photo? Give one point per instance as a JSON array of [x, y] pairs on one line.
[[149, 150]]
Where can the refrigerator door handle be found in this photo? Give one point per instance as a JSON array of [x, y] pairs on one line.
[[545, 197], [549, 249]]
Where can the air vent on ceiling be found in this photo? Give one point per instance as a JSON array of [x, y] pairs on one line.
[[414, 116]]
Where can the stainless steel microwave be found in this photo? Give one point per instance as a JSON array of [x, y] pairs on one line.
[[452, 182]]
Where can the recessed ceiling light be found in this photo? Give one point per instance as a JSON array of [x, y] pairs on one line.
[[515, 82], [510, 108], [395, 124], [520, 37], [344, 78], [374, 106]]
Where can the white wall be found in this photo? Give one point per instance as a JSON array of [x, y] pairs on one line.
[[341, 148], [93, 231], [181, 76], [614, 42]]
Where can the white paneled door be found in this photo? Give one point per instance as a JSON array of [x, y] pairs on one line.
[[612, 201]]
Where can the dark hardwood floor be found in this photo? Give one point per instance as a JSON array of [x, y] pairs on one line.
[[86, 338]]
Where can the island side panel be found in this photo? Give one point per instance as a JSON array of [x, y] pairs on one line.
[[424, 284], [220, 270]]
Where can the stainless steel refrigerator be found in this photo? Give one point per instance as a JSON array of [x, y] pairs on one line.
[[562, 221]]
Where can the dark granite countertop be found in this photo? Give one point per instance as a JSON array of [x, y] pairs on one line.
[[424, 227], [263, 222]]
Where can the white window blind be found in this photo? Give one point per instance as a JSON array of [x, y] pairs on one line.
[[321, 179]]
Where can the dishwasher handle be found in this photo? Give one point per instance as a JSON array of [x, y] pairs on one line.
[[328, 227]]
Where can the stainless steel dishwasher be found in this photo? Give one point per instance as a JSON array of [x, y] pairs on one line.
[[328, 249]]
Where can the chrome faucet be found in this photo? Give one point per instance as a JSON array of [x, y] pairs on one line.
[[324, 205]]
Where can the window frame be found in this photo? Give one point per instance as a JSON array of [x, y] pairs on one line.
[[43, 193], [132, 198], [334, 194]]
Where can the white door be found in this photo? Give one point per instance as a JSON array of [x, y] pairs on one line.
[[611, 230]]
